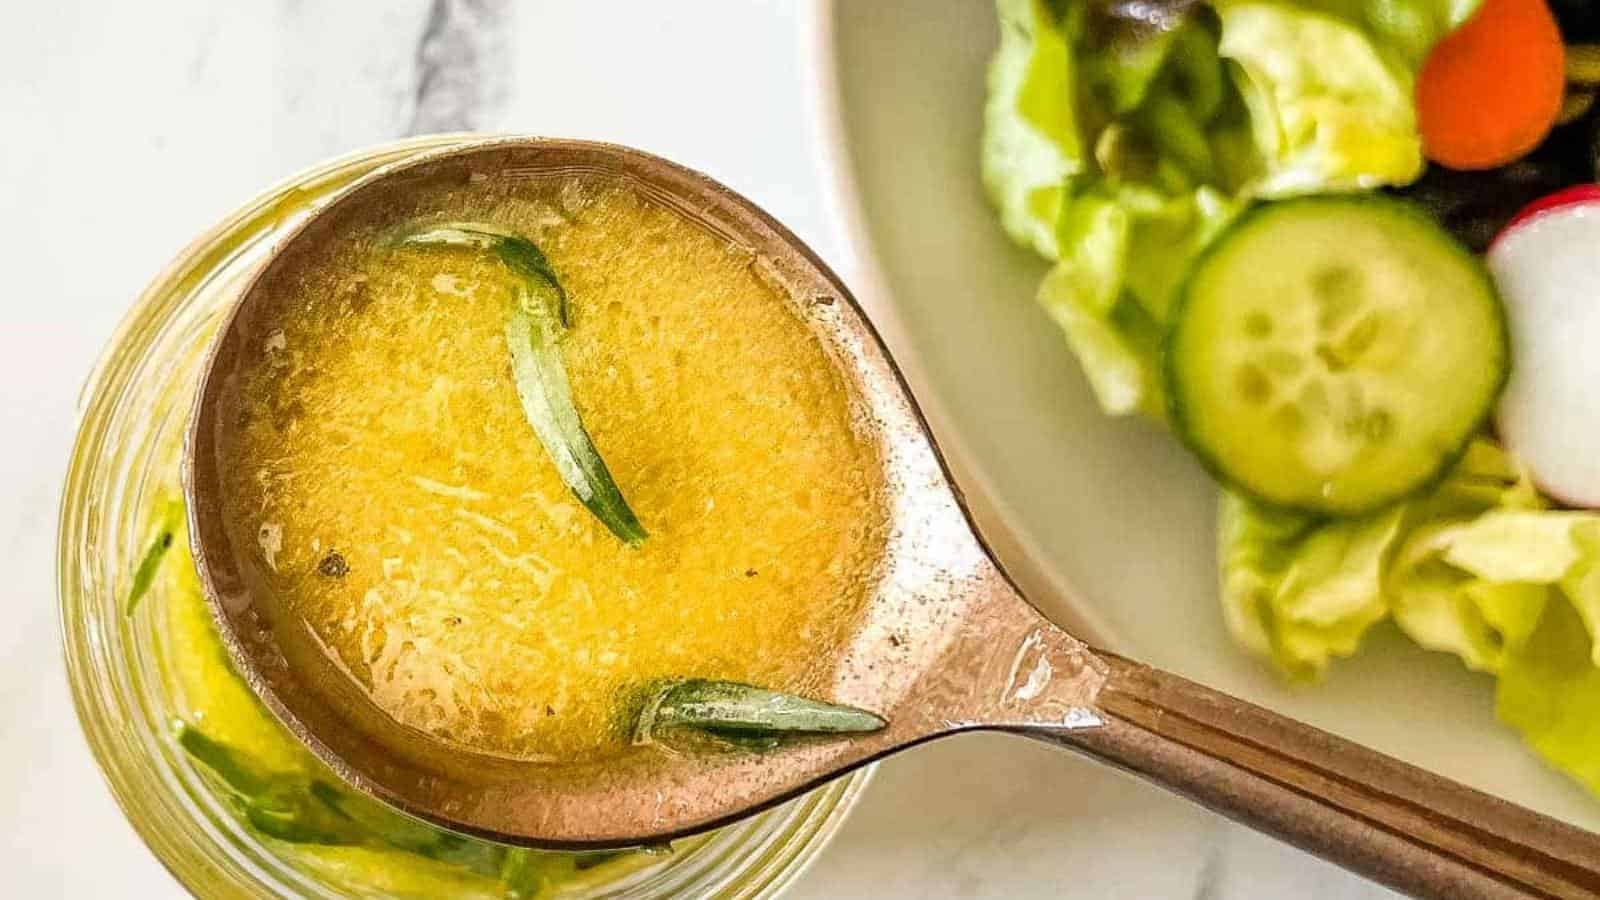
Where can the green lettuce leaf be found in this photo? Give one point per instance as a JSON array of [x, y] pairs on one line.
[[1474, 619], [1405, 29], [1329, 86], [1477, 567], [1302, 591], [1549, 691], [1030, 132], [1298, 591], [1446, 593], [1101, 146], [1515, 591], [1114, 315], [1581, 583], [1327, 110], [1500, 568], [1126, 45], [1122, 132]]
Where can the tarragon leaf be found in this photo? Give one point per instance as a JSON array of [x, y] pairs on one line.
[[547, 402], [733, 710], [279, 805], [535, 324], [522, 256], [239, 775], [166, 528], [532, 874], [306, 809], [394, 829]]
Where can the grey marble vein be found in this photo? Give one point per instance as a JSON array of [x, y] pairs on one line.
[[1211, 881], [463, 66]]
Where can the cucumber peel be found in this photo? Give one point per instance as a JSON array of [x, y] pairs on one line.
[[1334, 354]]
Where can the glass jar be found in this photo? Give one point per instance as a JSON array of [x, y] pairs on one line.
[[121, 665]]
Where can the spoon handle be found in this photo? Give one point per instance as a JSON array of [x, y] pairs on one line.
[[1391, 821]]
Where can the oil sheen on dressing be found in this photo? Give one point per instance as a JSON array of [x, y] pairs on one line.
[[403, 509]]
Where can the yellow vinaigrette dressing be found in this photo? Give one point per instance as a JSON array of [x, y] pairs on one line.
[[400, 505]]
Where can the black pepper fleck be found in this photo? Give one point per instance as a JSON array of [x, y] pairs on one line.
[[359, 297], [333, 565], [750, 573]]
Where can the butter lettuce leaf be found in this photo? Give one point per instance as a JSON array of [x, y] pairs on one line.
[[1445, 593], [1329, 85], [1113, 314], [1405, 29], [1478, 588], [1443, 611], [1517, 591], [1030, 132], [1302, 591], [1120, 138], [1299, 591], [1519, 545], [1328, 109], [1478, 567], [1544, 549], [1104, 144], [1151, 199], [1549, 691]]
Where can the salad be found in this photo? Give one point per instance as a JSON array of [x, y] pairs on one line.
[[1345, 251]]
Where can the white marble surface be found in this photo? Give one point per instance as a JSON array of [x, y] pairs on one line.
[[132, 126]]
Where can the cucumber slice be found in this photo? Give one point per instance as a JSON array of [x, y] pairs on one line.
[[1334, 354]]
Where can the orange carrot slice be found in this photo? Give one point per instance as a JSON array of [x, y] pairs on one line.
[[1491, 91]]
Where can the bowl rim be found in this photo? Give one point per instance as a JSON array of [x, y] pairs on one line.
[[1020, 553]]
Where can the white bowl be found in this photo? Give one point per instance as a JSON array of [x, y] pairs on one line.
[[1107, 523]]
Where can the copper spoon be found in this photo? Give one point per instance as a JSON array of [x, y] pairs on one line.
[[947, 643]]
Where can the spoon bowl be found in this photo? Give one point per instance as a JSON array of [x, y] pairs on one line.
[[946, 642]]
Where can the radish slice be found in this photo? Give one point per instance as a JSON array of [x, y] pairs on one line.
[[1547, 266], [1572, 196]]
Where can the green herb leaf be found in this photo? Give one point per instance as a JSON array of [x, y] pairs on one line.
[[525, 258], [522, 256], [166, 528], [534, 327], [733, 710], [532, 874], [236, 772], [306, 809], [381, 824], [279, 805], [547, 402]]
